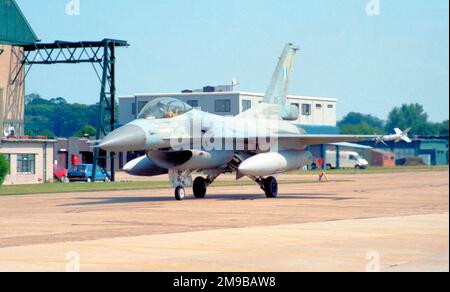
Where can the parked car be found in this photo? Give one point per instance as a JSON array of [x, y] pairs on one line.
[[60, 173], [83, 172]]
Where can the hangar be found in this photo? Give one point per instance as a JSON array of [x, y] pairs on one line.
[[30, 160]]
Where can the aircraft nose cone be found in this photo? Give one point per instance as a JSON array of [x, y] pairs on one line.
[[126, 138]]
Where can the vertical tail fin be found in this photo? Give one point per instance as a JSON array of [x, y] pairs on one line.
[[278, 88]]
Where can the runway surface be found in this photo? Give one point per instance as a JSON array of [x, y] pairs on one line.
[[369, 222]]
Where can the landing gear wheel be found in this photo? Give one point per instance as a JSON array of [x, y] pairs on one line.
[[200, 186], [180, 193], [271, 187]]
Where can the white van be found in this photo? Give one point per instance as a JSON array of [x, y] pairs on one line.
[[348, 159]]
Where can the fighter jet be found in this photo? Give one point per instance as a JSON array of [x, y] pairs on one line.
[[259, 143]]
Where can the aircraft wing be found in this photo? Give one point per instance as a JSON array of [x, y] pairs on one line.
[[291, 140], [309, 140]]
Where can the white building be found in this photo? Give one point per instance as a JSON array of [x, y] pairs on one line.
[[30, 160], [314, 111]]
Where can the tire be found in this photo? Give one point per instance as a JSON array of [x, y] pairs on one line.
[[357, 167], [313, 166], [329, 167], [271, 187], [200, 187], [179, 193]]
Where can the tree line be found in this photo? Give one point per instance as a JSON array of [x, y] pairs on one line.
[[406, 116], [57, 118]]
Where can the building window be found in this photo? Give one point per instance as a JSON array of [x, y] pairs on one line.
[[318, 106], [246, 105], [26, 163], [306, 109], [133, 108], [192, 103], [330, 106], [223, 106]]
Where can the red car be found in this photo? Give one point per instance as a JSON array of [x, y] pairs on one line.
[[60, 173]]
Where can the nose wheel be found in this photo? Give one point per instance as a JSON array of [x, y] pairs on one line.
[[180, 193]]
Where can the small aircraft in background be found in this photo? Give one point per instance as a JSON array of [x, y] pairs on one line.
[[397, 137], [258, 143]]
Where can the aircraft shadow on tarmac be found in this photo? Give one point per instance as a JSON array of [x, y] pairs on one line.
[[225, 197]]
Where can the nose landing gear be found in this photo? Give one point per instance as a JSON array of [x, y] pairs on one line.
[[180, 193]]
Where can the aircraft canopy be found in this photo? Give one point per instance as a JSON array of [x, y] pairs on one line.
[[164, 108]]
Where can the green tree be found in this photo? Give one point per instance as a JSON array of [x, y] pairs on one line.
[[58, 116], [443, 128], [4, 168], [86, 131], [410, 116], [353, 118], [361, 124], [360, 129]]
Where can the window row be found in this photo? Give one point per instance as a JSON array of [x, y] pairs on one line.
[[224, 106], [26, 163]]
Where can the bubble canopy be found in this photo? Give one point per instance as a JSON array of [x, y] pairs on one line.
[[164, 108]]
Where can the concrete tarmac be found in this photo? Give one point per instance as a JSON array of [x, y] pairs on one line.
[[369, 222]]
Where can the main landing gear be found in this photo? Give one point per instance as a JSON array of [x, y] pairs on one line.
[[269, 185], [182, 179], [200, 186]]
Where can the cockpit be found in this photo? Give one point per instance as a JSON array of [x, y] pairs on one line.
[[164, 108]]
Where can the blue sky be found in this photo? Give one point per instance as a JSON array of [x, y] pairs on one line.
[[370, 63]]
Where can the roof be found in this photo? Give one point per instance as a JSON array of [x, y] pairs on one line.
[[31, 140], [351, 145], [243, 93], [14, 27], [383, 151], [73, 45]]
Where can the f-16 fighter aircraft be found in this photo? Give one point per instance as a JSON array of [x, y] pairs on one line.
[[258, 143]]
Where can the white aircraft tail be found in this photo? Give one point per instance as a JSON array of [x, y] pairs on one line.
[[278, 89], [275, 99]]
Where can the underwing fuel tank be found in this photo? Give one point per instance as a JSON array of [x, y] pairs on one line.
[[271, 163], [191, 159], [143, 166]]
